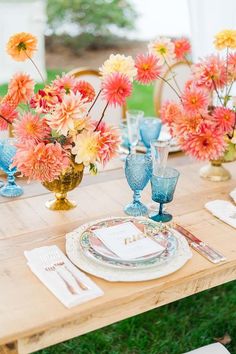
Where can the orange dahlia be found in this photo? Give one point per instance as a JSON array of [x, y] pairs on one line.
[[21, 46], [85, 89], [21, 88]]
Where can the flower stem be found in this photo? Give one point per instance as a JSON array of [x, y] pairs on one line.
[[36, 67], [8, 121], [167, 82], [173, 74], [99, 122], [217, 92], [94, 102], [187, 62]]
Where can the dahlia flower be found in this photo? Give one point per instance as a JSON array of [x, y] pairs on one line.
[[85, 89], [194, 100], [31, 128], [86, 147], [21, 46], [232, 66], [210, 73], [8, 112], [109, 141], [64, 83], [70, 114], [182, 48], [225, 39], [148, 68], [164, 49], [116, 88], [171, 112], [41, 162], [206, 145], [21, 88], [119, 64], [224, 119], [45, 100]]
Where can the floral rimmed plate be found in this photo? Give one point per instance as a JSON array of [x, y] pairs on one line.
[[127, 274], [94, 248]]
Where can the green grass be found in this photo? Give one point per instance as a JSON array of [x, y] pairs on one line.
[[171, 329]]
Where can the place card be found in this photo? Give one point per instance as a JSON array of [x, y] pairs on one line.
[[127, 241]]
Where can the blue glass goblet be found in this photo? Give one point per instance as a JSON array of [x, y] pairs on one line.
[[7, 152], [150, 129], [163, 184], [138, 171]]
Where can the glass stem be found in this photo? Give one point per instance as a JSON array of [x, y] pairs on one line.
[[137, 196], [11, 179], [160, 209]]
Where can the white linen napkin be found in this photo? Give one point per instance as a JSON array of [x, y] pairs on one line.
[[233, 195], [223, 210], [61, 277], [127, 241]]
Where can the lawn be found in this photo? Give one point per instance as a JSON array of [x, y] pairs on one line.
[[172, 329]]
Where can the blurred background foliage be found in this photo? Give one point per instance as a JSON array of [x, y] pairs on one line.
[[89, 24]]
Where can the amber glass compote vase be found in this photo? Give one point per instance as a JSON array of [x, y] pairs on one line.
[[67, 181]]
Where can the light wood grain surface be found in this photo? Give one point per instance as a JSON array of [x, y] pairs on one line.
[[31, 318]]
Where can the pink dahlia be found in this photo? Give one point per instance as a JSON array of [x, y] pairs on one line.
[[191, 124], [21, 88], [171, 112], [41, 162], [210, 73], [109, 141], [224, 119], [64, 83], [70, 114], [8, 112], [116, 88], [31, 128], [194, 100], [148, 68], [85, 89], [206, 145], [45, 100], [182, 48], [232, 66]]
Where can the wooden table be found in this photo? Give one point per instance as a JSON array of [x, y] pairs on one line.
[[31, 318]]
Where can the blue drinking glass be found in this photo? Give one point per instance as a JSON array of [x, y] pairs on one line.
[[138, 171], [150, 129], [7, 152], [163, 184]]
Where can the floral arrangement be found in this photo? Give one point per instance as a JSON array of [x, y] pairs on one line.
[[53, 126], [204, 119]]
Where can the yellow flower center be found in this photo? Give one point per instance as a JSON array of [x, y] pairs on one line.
[[145, 66], [21, 46]]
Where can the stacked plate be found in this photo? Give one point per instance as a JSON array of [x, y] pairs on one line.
[[89, 253]]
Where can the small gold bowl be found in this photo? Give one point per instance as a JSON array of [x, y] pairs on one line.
[[67, 181]]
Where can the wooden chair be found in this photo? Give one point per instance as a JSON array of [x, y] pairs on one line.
[[162, 90], [113, 115], [215, 348]]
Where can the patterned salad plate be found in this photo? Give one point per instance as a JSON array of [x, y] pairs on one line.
[[87, 252]]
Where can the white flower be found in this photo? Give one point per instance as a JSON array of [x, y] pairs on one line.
[[120, 64], [164, 49]]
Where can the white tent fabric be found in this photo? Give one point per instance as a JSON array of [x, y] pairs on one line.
[[207, 17], [22, 16]]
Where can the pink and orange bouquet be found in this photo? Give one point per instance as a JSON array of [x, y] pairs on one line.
[[204, 118], [55, 126]]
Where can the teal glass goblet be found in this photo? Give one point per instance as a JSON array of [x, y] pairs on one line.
[[150, 129], [7, 152], [138, 171], [163, 184]]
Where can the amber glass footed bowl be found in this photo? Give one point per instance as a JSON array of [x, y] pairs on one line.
[[67, 181]]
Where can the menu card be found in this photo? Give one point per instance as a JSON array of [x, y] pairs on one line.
[[127, 241]]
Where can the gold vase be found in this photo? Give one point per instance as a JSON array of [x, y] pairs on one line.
[[67, 181], [214, 171]]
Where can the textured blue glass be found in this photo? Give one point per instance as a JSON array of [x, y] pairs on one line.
[[7, 152], [138, 171], [149, 131], [163, 187]]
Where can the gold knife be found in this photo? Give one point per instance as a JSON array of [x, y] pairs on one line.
[[201, 247]]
